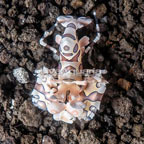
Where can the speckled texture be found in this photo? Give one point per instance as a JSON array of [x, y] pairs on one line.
[[120, 51]]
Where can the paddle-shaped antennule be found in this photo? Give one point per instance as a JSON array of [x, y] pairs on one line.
[[64, 20], [84, 41], [58, 39], [83, 21]]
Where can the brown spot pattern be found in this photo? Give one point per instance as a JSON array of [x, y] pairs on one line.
[[67, 54], [71, 25], [74, 59], [70, 68], [69, 35], [94, 96], [66, 48], [75, 48]]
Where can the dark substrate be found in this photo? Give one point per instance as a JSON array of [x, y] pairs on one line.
[[120, 51]]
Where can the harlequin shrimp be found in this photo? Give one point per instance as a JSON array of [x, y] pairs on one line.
[[66, 93]]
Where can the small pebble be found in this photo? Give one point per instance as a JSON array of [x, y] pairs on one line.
[[21, 75], [41, 8], [104, 19], [58, 1], [124, 84], [100, 58], [142, 18], [2, 11], [143, 64], [29, 115], [12, 12], [47, 140], [137, 130], [4, 57], [67, 11], [88, 6], [101, 10], [76, 3]]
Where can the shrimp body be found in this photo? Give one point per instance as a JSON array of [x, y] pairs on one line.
[[68, 94]]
